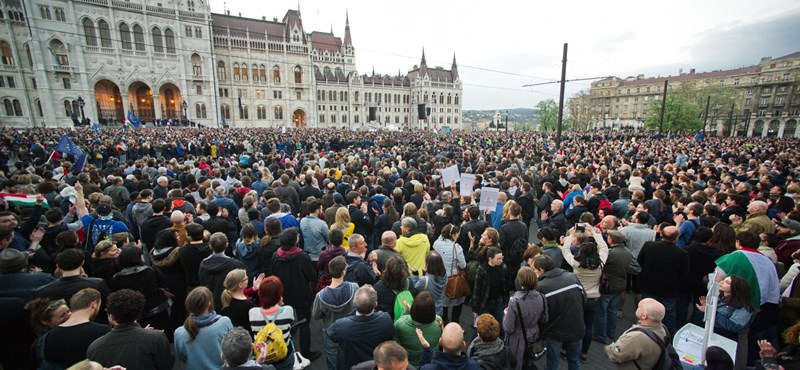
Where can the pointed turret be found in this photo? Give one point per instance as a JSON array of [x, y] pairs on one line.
[[423, 66], [454, 69], [348, 42]]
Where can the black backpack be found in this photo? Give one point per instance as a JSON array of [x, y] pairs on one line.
[[517, 250], [669, 359]]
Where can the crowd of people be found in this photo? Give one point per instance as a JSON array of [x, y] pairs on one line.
[[219, 247]]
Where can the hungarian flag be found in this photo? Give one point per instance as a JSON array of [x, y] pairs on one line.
[[23, 200]]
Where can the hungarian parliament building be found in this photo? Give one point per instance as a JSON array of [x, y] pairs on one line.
[[64, 61]]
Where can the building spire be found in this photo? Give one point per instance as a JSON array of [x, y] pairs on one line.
[[348, 41], [423, 57], [423, 66], [298, 7], [454, 68]]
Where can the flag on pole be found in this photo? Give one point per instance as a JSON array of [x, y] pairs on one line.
[[132, 117], [55, 156], [65, 145], [699, 136], [80, 162], [23, 200]]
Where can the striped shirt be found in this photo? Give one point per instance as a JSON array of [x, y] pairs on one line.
[[283, 318]]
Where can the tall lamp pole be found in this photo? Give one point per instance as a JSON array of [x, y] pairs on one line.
[[506, 121], [185, 106]]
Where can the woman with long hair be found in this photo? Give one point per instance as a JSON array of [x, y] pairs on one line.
[[421, 315], [452, 256], [723, 238], [525, 307], [247, 248], [433, 279], [104, 264], [385, 221], [271, 309], [198, 341], [734, 308], [343, 224], [269, 244], [235, 304], [587, 266]]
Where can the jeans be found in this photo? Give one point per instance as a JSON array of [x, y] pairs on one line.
[[670, 307], [683, 308], [331, 349], [573, 349], [605, 325], [591, 310]]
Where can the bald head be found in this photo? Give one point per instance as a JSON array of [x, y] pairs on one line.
[[177, 217], [389, 239], [757, 206], [670, 233], [650, 311], [452, 340]]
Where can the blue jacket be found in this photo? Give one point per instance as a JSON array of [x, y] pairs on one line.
[[359, 335], [204, 351], [446, 361]]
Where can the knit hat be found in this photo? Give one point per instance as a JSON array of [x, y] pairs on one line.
[[12, 260]]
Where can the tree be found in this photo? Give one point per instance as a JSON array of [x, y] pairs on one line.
[[578, 108], [679, 114], [548, 115]]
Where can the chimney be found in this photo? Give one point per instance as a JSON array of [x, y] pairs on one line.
[[228, 12], [691, 71], [639, 77], [240, 14], [263, 17], [274, 19]]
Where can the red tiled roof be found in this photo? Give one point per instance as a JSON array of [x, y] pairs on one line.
[[240, 26], [323, 41]]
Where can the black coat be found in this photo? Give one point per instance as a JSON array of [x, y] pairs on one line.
[[295, 270]]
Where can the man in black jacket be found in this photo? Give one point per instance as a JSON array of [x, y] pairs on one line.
[[565, 300], [528, 203], [513, 241], [474, 226], [216, 267], [359, 214], [556, 220], [294, 268], [663, 264]]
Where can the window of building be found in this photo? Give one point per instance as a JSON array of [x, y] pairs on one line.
[[321, 118], [226, 111], [276, 74], [45, 12], [125, 36], [777, 113], [158, 41], [299, 95], [198, 89], [298, 74], [333, 118], [9, 107], [245, 75], [60, 15], [200, 110], [105, 34], [138, 37], [277, 94], [763, 102], [67, 83], [187, 31], [278, 112], [11, 82], [244, 112], [261, 112], [89, 33], [749, 91], [779, 101], [39, 110], [766, 90], [236, 71], [17, 108], [169, 38], [262, 73], [222, 73], [748, 101], [198, 32]]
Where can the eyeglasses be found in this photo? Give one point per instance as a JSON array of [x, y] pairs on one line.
[[56, 304]]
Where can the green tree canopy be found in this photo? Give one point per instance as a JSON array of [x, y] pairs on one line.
[[548, 115], [679, 114]]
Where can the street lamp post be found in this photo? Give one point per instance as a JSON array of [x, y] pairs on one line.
[[185, 116], [81, 104], [506, 121]]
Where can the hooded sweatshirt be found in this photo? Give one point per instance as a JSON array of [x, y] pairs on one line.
[[213, 271], [414, 248], [331, 304]]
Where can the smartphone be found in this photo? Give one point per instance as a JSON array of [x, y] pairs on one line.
[[580, 228]]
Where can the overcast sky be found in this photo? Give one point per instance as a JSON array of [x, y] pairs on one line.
[[502, 45]]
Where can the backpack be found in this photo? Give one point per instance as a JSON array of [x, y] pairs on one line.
[[399, 308], [273, 336], [516, 251], [96, 234], [669, 359]]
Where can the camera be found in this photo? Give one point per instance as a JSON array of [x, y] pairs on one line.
[[580, 228]]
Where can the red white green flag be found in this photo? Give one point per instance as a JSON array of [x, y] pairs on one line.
[[23, 200]]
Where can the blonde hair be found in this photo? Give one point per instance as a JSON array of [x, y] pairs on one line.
[[342, 220], [231, 284]]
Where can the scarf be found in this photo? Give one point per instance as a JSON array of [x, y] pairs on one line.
[[206, 319], [480, 348]]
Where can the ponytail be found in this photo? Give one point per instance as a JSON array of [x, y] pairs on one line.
[[191, 327], [226, 298]]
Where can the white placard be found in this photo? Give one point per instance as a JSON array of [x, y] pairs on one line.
[[489, 198], [467, 182], [449, 175]]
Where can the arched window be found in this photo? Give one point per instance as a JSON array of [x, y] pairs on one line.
[[39, 108], [8, 55], [105, 34], [67, 108], [59, 52], [276, 74], [245, 74], [441, 100], [88, 31], [298, 74], [125, 36], [226, 111], [200, 110], [278, 112], [321, 118], [333, 118], [138, 37], [261, 112], [9, 107], [17, 108], [158, 41], [449, 99], [262, 73], [222, 73], [28, 54], [197, 65], [75, 107], [236, 71], [456, 100], [355, 96], [255, 73], [169, 38], [344, 118], [244, 112]]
